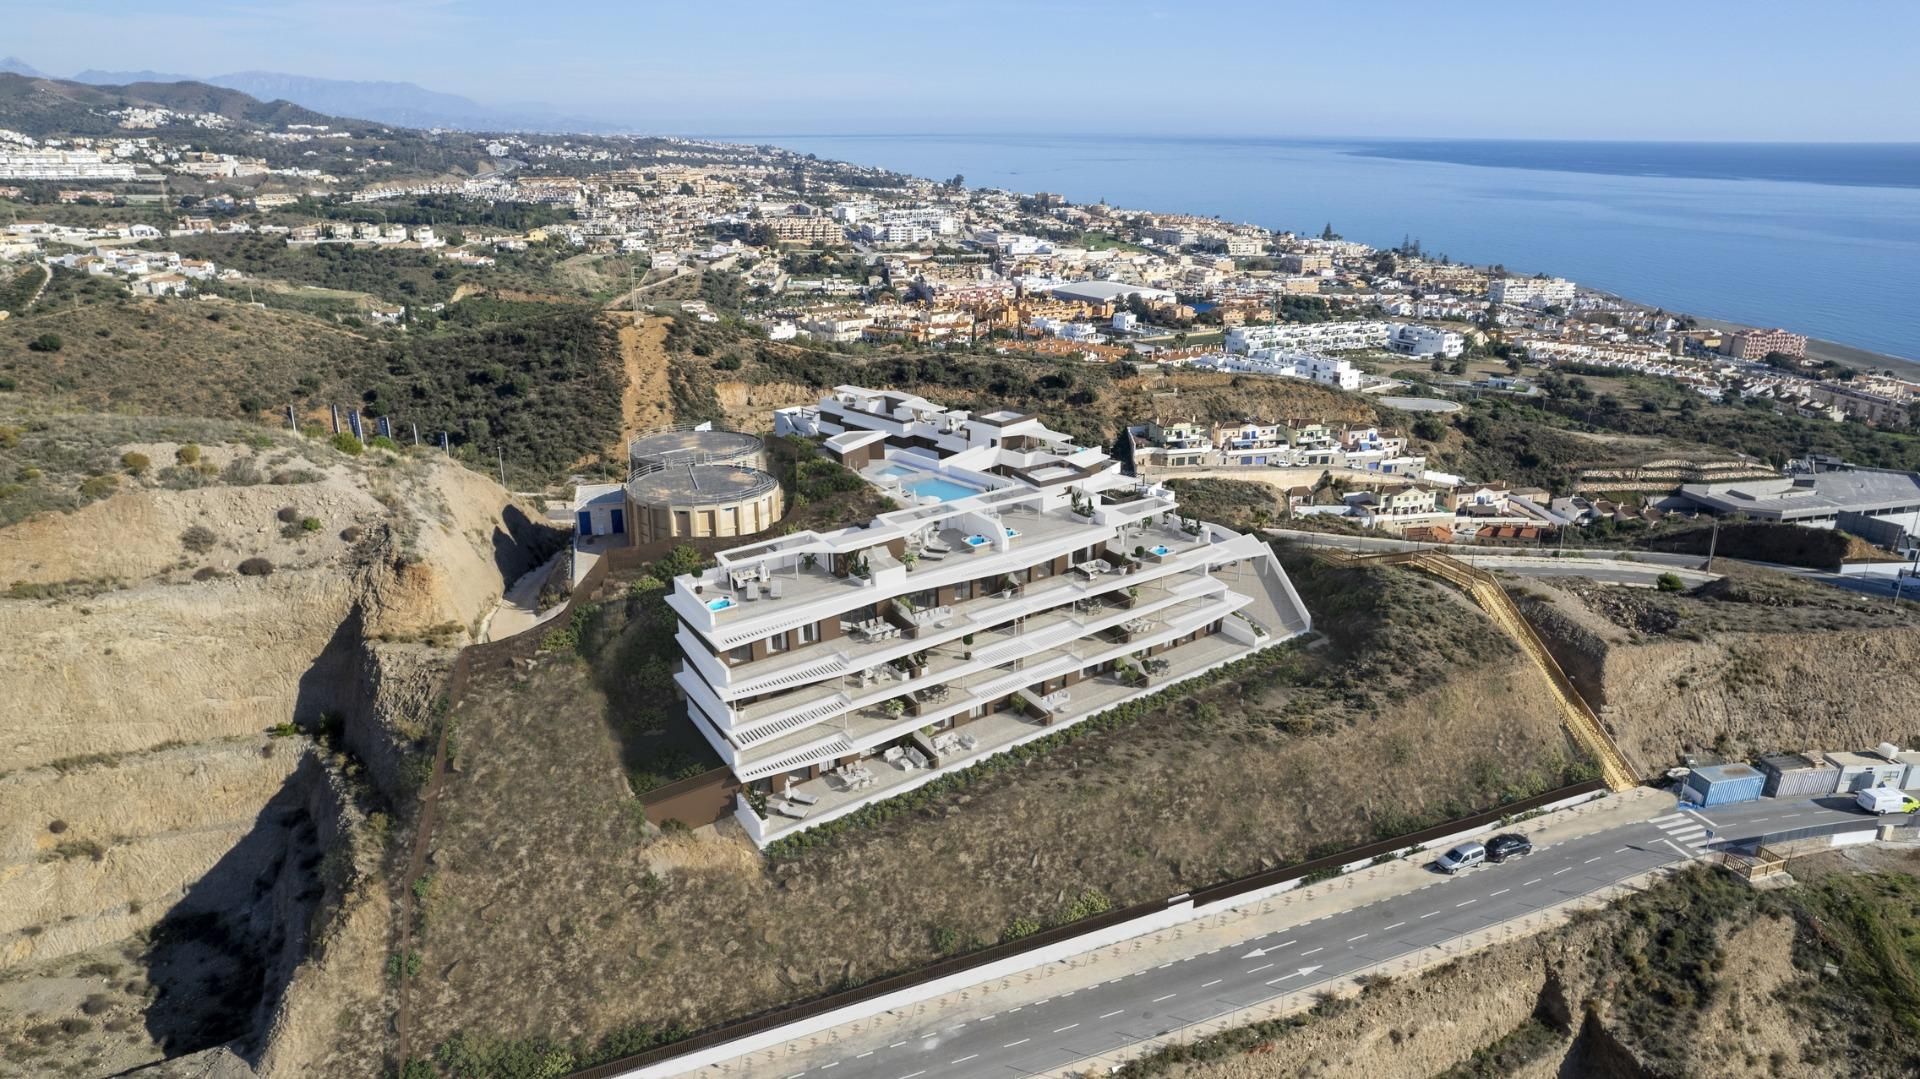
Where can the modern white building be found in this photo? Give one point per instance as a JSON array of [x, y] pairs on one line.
[[1310, 336], [1413, 339], [1025, 586], [1531, 291]]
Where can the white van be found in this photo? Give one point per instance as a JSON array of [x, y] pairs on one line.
[[1464, 856], [1885, 800]]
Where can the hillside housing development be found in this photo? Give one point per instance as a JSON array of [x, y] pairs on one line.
[[1025, 586]]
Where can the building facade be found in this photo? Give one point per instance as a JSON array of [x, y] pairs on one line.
[[1025, 586]]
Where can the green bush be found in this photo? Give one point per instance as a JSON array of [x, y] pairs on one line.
[[136, 463], [1670, 582], [187, 454], [310, 524], [347, 444], [46, 342], [255, 567], [99, 486]]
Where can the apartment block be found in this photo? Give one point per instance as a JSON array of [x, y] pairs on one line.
[[1531, 291], [1025, 585], [1756, 344]]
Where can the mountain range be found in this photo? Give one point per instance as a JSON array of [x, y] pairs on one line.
[[400, 103]]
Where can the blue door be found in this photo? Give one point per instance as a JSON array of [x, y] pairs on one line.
[[619, 523], [586, 523]]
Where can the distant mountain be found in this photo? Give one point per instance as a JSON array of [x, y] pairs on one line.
[[94, 77], [400, 103], [42, 106]]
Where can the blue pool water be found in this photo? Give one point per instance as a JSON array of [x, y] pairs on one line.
[[720, 604], [977, 541], [944, 490], [894, 472], [1159, 549]]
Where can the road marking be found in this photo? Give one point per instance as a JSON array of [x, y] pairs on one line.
[[1362, 936], [1623, 850], [1117, 1011], [1255, 970], [1430, 914], [1395, 925], [1157, 1000], [1041, 1001], [1502, 891], [1557, 872], [1592, 860], [988, 1016], [864, 1055], [1015, 1008], [896, 1045], [1209, 985], [1057, 1030], [968, 1057], [1759, 820], [796, 1075], [1684, 853], [824, 1067], [1022, 1041], [1668, 817], [910, 1075], [1468, 901], [1535, 880], [1303, 955]]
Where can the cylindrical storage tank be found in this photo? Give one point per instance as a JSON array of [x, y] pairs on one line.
[[692, 446], [1723, 784], [703, 502], [1793, 775]]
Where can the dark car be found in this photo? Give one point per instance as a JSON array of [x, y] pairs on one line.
[[1508, 845]]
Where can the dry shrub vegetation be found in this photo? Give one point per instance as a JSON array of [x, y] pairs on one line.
[[557, 915]]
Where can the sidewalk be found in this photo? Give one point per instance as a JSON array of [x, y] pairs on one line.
[[1219, 925], [519, 610]]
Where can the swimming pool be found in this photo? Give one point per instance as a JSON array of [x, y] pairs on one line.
[[893, 472], [1159, 549], [977, 540], [720, 604], [944, 490]]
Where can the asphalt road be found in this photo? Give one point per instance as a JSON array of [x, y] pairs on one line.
[[1054, 1032]]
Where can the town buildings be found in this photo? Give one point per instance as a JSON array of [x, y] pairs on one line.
[[1531, 291], [1025, 586], [1759, 344]]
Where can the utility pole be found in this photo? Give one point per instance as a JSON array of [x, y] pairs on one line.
[[1713, 543], [501, 456]]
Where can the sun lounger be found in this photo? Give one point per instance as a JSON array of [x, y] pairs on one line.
[[773, 589], [803, 799]]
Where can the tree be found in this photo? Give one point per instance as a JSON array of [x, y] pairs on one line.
[[1328, 233], [1670, 582], [46, 342], [957, 182]]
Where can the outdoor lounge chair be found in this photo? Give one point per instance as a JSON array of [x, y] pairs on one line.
[[803, 799], [773, 589]]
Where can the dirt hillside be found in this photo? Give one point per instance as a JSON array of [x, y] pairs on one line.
[[165, 809]]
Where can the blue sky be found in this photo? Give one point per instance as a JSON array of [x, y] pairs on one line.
[[1693, 69]]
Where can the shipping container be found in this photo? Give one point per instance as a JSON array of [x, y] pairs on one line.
[[1912, 761], [1794, 775], [1858, 771], [1723, 784]]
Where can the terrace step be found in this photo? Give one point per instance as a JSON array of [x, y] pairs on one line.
[[792, 719], [794, 676], [833, 748]]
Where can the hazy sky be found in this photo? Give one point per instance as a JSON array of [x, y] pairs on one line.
[[1676, 69]]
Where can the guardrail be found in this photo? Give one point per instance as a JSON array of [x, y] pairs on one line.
[[818, 1006]]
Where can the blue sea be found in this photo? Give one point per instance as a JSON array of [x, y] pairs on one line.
[[1823, 239]]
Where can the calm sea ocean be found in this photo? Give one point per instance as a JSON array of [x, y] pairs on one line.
[[1822, 239]]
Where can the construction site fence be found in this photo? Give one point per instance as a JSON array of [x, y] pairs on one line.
[[808, 1009]]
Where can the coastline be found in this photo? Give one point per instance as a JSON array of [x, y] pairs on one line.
[[1850, 355]]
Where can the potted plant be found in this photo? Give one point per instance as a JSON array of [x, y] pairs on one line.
[[809, 560], [967, 646], [894, 707], [909, 557]]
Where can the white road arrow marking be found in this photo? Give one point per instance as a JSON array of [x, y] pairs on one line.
[[1301, 973], [1255, 954]]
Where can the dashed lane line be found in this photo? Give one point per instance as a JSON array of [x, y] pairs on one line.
[[1022, 1041], [1169, 996], [966, 1058], [1255, 970], [1117, 1011], [1502, 891]]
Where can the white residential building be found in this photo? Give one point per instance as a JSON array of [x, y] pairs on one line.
[[1311, 336], [1413, 339], [1027, 586], [1531, 291]]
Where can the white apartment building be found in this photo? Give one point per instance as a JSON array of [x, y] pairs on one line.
[[1026, 586], [1531, 291], [1412, 339], [16, 164], [1311, 336]]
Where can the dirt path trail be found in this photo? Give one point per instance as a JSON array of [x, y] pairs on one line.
[[643, 350]]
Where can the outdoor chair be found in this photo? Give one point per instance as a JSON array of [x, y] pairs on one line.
[[773, 589]]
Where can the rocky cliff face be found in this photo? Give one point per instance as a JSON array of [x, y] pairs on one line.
[[1739, 670], [188, 752]]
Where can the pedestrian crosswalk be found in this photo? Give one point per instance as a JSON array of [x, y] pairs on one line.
[[1686, 830]]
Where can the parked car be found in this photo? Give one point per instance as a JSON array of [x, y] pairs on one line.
[[1508, 845], [1464, 856], [1884, 800]]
